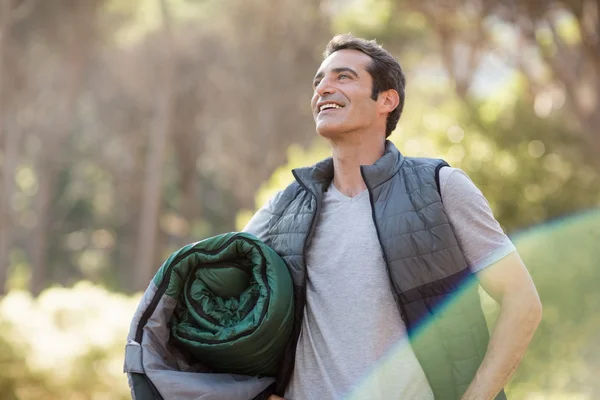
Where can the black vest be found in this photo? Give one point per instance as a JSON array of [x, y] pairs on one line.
[[435, 292]]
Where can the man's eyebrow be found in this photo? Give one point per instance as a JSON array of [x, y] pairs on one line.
[[345, 69], [337, 71]]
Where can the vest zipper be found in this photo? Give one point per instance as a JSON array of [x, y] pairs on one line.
[[385, 259], [310, 230], [305, 277]]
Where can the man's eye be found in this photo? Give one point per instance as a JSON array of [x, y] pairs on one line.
[[343, 76], [316, 83]]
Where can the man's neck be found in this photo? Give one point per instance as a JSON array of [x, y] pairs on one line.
[[348, 156]]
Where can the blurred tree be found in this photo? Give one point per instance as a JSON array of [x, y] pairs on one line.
[[146, 253], [514, 132], [555, 45], [66, 58], [87, 101], [11, 12], [262, 94], [7, 141], [81, 101]]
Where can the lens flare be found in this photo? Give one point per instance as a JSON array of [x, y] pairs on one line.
[[563, 257]]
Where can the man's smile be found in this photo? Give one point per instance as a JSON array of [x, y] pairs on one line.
[[328, 106]]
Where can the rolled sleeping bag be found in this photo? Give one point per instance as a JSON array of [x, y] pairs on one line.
[[235, 305], [223, 305]]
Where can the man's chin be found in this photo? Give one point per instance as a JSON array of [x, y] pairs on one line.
[[329, 131]]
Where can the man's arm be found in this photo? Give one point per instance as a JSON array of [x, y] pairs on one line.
[[509, 283], [492, 256]]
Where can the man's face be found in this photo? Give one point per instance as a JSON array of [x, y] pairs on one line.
[[342, 100]]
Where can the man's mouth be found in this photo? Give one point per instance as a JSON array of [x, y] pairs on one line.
[[329, 106]]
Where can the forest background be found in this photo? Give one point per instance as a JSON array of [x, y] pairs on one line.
[[130, 128]]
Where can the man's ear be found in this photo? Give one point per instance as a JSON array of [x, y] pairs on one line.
[[389, 100]]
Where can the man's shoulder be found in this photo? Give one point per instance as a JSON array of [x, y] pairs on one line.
[[283, 197], [293, 188], [456, 181], [290, 192], [425, 162], [427, 168]]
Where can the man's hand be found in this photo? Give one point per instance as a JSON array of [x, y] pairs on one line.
[[275, 397], [510, 284]]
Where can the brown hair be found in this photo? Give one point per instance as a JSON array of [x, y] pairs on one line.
[[384, 69]]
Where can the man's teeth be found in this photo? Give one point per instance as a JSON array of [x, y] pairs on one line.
[[330, 105]]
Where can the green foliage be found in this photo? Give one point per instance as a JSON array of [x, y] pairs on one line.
[[563, 357], [67, 343], [374, 19]]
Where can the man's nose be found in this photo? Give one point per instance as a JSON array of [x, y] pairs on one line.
[[324, 88]]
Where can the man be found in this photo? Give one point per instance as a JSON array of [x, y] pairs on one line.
[[382, 248]]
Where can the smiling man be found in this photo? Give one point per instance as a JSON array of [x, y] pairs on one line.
[[377, 242]]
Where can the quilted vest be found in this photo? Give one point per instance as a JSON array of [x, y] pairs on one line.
[[436, 294]]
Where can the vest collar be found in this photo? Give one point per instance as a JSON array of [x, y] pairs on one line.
[[382, 170]]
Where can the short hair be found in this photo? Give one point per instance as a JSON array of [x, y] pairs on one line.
[[384, 69]]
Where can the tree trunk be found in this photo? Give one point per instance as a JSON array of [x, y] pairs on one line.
[[146, 250], [43, 207], [50, 159], [130, 196], [11, 149], [187, 144], [7, 152]]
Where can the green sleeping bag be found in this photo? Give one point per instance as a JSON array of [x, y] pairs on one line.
[[234, 303]]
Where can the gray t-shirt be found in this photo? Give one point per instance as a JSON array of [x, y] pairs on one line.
[[353, 343]]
